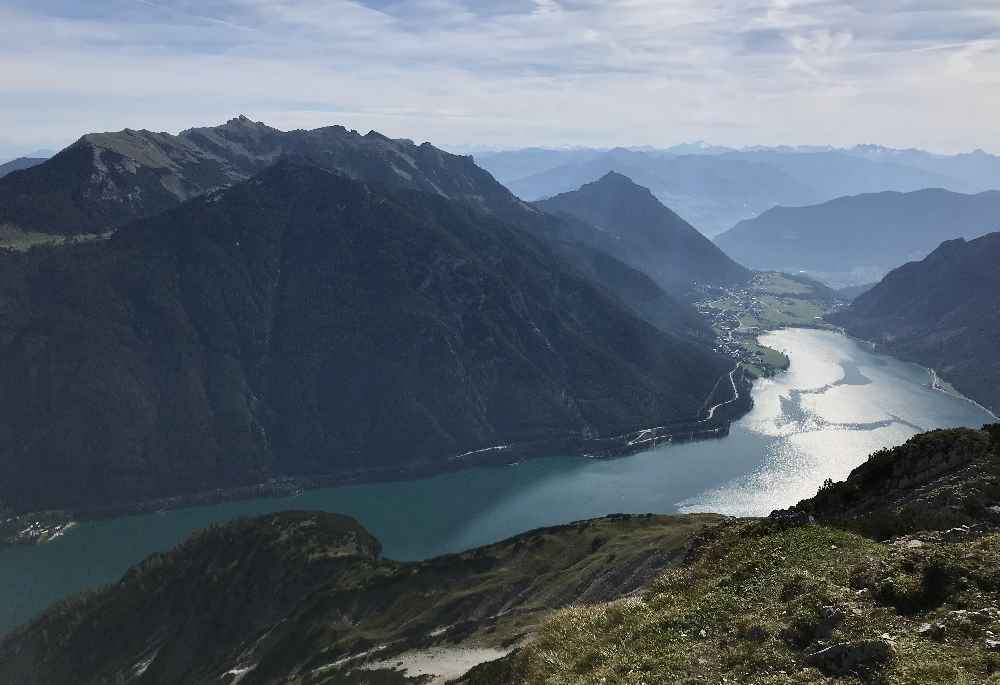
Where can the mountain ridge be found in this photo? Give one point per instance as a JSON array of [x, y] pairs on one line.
[[866, 235]]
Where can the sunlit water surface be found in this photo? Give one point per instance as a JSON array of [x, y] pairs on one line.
[[838, 403]]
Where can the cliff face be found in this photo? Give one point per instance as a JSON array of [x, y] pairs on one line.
[[942, 312], [305, 323]]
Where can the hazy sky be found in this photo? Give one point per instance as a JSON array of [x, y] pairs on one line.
[[510, 72]]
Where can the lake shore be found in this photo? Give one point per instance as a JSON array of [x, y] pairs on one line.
[[41, 527]]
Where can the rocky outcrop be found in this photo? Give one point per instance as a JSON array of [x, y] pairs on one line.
[[936, 481], [852, 658]]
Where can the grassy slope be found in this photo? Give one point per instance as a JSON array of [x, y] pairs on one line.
[[15, 239], [758, 597], [751, 608]]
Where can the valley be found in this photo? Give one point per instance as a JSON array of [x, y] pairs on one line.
[[770, 301]]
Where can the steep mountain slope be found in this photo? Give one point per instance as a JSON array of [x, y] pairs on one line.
[[18, 164], [863, 234], [710, 192], [106, 179], [635, 227], [304, 597], [306, 592], [306, 323], [943, 312]]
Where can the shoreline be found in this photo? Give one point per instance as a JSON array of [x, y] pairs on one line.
[[41, 527], [937, 381]]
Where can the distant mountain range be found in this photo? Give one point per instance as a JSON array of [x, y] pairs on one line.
[[302, 322], [858, 239], [714, 188], [19, 163], [710, 192], [635, 227], [942, 312]]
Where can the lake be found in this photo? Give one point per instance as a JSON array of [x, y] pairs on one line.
[[839, 402]]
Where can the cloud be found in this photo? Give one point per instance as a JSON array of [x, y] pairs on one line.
[[511, 72]]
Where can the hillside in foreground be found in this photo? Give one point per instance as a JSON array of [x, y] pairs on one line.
[[815, 594]]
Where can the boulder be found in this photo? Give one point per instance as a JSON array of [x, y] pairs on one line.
[[858, 657]]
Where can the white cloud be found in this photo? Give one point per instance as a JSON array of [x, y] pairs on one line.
[[509, 72]]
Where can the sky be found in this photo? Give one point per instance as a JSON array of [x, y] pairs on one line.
[[510, 73]]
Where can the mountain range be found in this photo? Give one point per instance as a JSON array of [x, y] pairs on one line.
[[942, 312], [715, 188], [303, 322], [858, 239], [107, 179]]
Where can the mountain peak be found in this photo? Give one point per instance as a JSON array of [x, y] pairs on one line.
[[646, 234], [614, 178], [244, 120]]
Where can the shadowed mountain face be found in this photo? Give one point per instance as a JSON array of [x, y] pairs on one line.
[[107, 179], [305, 323], [942, 312], [18, 164], [864, 235], [635, 227]]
